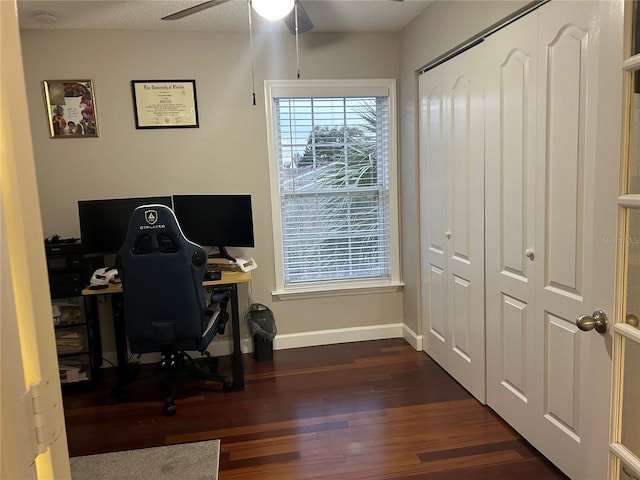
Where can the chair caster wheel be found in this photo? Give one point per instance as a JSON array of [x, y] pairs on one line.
[[227, 387], [169, 410]]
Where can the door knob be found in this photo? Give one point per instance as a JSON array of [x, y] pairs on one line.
[[530, 254], [597, 320], [632, 320], [447, 234]]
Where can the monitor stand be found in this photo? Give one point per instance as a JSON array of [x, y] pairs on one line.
[[222, 253]]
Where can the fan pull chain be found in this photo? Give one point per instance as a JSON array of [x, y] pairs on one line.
[[253, 82], [295, 12]]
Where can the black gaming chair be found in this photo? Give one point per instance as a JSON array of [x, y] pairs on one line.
[[164, 307]]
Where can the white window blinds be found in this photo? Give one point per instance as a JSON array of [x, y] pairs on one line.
[[333, 175]]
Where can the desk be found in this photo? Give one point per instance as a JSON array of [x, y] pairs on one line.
[[229, 283]]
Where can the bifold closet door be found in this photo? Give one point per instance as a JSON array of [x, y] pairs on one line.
[[578, 149], [452, 217], [549, 206], [511, 254]]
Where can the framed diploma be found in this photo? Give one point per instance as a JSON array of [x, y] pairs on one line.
[[165, 103], [71, 108]]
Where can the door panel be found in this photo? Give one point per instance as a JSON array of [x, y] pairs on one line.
[[466, 356], [511, 110], [547, 185], [512, 344], [460, 293], [452, 217], [460, 125], [435, 160], [562, 374], [567, 65], [433, 214], [576, 141], [437, 303], [514, 78]]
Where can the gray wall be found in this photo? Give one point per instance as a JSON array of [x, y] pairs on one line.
[[440, 28], [227, 154]]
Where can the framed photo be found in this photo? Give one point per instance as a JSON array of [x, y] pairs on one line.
[[71, 108], [165, 103]]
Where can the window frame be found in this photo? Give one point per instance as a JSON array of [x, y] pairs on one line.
[[333, 88]]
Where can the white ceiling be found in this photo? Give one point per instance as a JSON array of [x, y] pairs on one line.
[[326, 15]]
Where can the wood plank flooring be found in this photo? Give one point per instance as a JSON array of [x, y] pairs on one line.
[[365, 410]]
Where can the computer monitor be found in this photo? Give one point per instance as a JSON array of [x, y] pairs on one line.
[[218, 221], [103, 223]]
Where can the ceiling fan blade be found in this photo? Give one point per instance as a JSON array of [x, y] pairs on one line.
[[194, 9], [304, 22]]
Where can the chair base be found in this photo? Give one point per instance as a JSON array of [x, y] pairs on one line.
[[174, 367]]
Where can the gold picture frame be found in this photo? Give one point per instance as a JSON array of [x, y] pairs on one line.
[[71, 108]]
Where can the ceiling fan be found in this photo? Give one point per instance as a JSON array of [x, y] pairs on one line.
[[295, 16]]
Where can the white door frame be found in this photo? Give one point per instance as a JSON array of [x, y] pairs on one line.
[[625, 462], [28, 347]]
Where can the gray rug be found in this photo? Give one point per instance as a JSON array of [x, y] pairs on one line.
[[187, 461]]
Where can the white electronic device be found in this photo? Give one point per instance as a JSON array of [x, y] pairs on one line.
[[104, 276], [246, 264]]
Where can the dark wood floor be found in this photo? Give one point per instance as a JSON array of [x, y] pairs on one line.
[[366, 410]]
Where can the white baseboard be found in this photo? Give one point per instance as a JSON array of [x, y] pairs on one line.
[[337, 335], [222, 345], [412, 338]]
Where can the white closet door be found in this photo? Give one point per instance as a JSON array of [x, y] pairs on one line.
[[452, 217], [434, 223], [548, 158], [551, 190], [510, 148], [576, 196]]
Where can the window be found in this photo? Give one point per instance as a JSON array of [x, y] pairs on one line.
[[333, 179]]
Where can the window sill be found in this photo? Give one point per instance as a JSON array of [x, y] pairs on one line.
[[334, 290]]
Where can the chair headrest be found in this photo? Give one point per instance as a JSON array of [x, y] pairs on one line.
[[153, 220], [155, 227]]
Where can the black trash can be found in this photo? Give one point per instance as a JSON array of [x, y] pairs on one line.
[[263, 327], [262, 348]]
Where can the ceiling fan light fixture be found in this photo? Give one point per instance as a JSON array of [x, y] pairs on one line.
[[272, 9]]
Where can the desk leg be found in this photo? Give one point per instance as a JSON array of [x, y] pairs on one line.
[[236, 359], [120, 393], [120, 333]]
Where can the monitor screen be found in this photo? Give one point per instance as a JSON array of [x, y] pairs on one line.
[[216, 220], [103, 223]]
